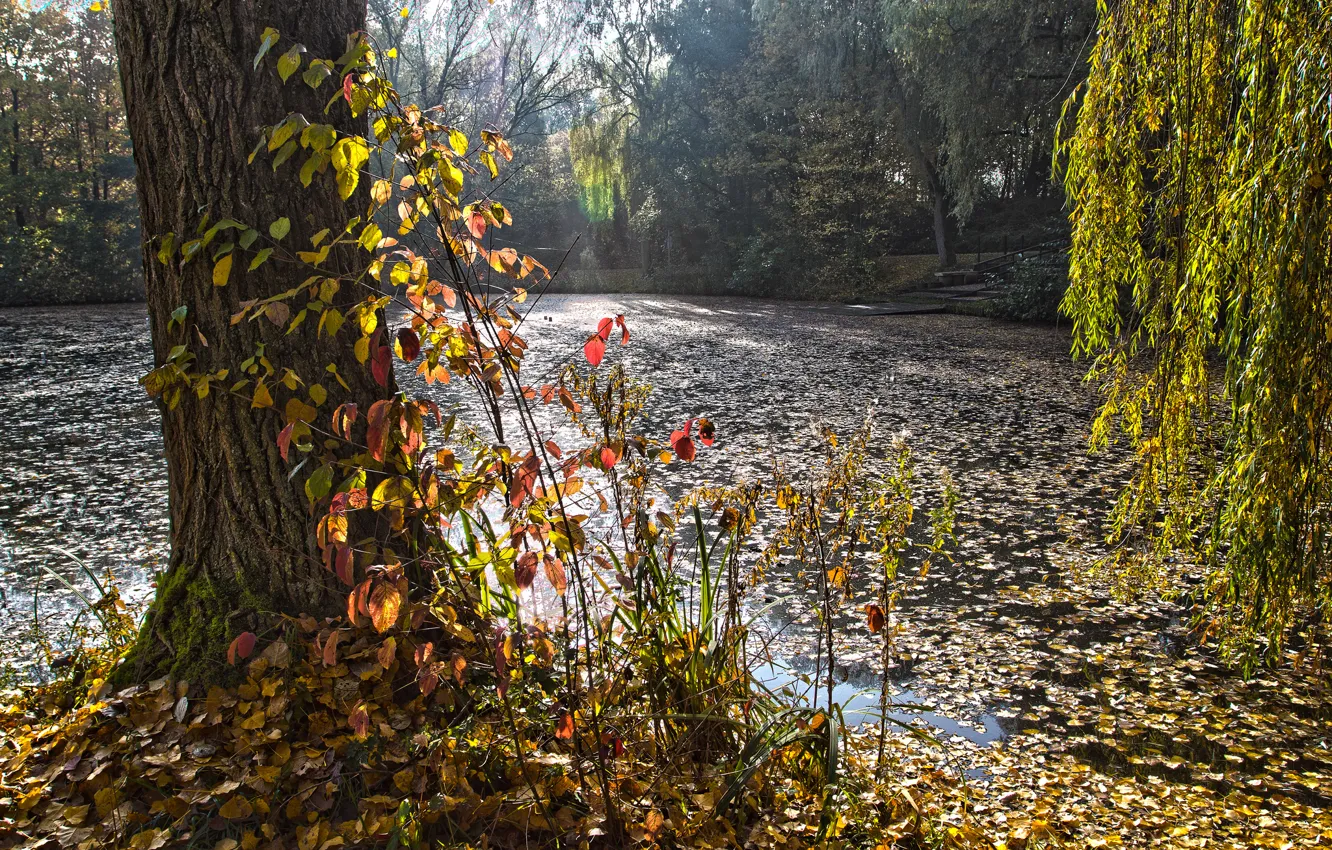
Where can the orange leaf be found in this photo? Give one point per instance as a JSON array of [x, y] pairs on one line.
[[564, 726], [555, 574], [330, 654], [875, 616], [384, 604]]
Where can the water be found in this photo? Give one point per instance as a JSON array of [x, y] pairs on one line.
[[1000, 405]]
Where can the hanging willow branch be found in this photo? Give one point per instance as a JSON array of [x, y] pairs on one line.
[[1198, 171]]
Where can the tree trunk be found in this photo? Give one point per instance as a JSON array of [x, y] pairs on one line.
[[242, 534], [941, 245], [20, 220]]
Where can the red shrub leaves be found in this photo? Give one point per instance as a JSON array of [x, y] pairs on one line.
[[241, 647], [594, 349]]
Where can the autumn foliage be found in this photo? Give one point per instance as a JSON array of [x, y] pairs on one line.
[[523, 658]]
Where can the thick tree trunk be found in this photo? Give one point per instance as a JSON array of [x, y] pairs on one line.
[[242, 535]]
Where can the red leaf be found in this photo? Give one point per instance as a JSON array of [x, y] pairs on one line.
[[409, 344], [524, 478], [604, 329], [344, 565], [359, 722], [524, 572], [347, 87], [376, 429], [564, 726], [381, 364], [707, 432], [682, 443], [594, 349], [684, 449], [284, 439], [553, 448], [241, 647], [624, 336], [609, 457], [476, 223]]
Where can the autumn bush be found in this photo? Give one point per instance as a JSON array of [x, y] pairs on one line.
[[539, 647]]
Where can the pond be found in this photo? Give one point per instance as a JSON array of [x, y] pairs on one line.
[[1000, 405], [1055, 698]]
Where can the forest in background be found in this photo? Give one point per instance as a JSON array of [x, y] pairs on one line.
[[724, 146]]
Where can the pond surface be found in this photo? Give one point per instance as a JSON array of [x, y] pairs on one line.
[[1059, 699], [1000, 405]]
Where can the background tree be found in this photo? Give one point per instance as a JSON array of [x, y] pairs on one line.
[[1201, 288], [242, 540], [70, 227]]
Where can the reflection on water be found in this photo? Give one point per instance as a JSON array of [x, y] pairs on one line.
[[998, 404], [860, 700]]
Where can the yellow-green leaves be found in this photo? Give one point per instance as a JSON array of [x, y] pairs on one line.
[[279, 228], [289, 62], [370, 236], [452, 177], [222, 271], [318, 71], [491, 165], [318, 484], [349, 155], [165, 248], [260, 258], [458, 141]]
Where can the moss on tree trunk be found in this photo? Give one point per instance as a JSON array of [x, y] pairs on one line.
[[242, 534]]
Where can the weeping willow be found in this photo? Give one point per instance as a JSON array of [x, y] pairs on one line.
[[1198, 171], [597, 150]]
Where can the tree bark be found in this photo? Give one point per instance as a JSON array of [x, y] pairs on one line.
[[242, 533], [941, 245]]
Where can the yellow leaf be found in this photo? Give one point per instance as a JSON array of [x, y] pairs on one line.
[[236, 808], [222, 271], [403, 780], [262, 397]]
